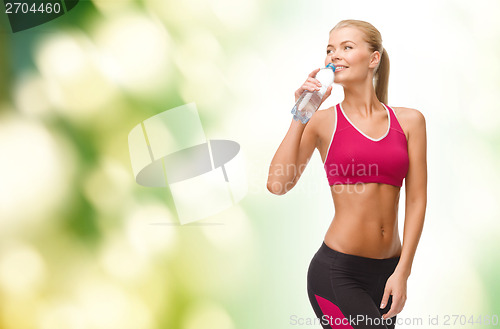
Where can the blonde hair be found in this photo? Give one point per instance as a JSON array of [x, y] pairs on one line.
[[374, 39]]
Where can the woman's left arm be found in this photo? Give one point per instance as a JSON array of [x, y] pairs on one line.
[[416, 202]]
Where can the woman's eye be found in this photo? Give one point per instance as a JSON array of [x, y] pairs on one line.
[[328, 50]]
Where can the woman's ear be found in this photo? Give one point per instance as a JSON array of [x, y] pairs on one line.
[[375, 59]]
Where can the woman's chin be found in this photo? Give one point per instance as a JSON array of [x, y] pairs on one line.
[[338, 81]]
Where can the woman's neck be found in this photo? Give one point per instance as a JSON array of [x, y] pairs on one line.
[[361, 99]]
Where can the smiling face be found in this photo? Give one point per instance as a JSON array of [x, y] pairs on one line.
[[351, 55]]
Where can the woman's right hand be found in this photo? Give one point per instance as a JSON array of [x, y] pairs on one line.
[[312, 84]]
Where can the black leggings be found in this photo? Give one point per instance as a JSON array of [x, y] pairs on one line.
[[345, 290]]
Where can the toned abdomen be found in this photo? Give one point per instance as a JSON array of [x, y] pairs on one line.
[[365, 221]]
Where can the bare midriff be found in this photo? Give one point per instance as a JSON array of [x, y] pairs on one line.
[[365, 221]]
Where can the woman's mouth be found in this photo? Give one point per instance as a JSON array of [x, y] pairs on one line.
[[340, 68]]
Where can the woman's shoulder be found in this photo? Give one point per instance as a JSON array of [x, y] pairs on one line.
[[321, 115], [324, 118], [321, 123], [407, 113], [409, 117]]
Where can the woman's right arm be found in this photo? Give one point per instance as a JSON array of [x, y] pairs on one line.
[[297, 147]]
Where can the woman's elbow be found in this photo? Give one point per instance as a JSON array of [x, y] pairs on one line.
[[279, 188], [275, 188]]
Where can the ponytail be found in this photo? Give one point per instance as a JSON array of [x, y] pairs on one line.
[[382, 77]]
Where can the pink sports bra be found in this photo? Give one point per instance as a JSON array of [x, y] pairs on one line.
[[354, 157]]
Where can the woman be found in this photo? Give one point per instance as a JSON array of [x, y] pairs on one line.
[[358, 277]]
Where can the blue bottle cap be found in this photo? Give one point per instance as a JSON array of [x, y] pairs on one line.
[[332, 66]]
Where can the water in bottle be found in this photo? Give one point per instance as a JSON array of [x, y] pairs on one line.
[[309, 102]]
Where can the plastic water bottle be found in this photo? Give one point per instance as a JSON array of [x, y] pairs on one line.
[[308, 102]]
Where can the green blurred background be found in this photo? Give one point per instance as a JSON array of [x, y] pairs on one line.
[[83, 246]]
